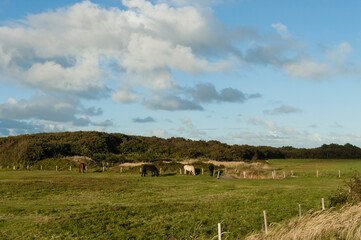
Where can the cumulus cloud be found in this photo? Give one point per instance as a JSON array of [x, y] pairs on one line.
[[284, 109], [143, 120], [281, 29], [208, 93], [171, 103], [54, 109], [40, 107], [125, 94], [161, 133], [190, 129], [63, 50], [16, 127]]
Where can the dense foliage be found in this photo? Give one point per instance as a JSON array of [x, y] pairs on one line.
[[115, 147]]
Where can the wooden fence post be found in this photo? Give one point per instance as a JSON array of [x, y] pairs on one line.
[[292, 173], [56, 168], [41, 167], [202, 171], [244, 174], [284, 174], [219, 231], [14, 168], [69, 168], [27, 167], [323, 203], [218, 175], [160, 170], [265, 222], [339, 173], [299, 210], [104, 169], [121, 169], [180, 171]]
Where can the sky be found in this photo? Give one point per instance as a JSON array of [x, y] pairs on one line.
[[256, 72]]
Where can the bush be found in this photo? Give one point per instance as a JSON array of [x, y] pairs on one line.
[[349, 194]]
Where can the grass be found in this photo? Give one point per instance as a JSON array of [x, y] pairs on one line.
[[113, 205], [344, 223]]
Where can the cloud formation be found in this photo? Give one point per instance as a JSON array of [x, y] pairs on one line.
[[284, 109], [143, 120], [207, 93]]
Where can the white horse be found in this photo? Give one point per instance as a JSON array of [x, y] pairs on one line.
[[189, 168]]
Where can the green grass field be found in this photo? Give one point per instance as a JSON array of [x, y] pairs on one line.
[[113, 205]]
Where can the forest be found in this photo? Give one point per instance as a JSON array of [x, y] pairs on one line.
[[119, 148]]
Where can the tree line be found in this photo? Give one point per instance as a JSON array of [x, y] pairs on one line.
[[118, 148]]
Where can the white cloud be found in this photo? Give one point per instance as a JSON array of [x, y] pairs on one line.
[[190, 130], [126, 95], [281, 29], [284, 109], [63, 50], [309, 69]]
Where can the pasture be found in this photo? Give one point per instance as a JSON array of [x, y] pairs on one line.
[[113, 205]]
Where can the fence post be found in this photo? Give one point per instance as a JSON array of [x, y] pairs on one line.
[[323, 203], [69, 168], [265, 222], [41, 167], [284, 174], [339, 173], [14, 168], [218, 175], [180, 171], [160, 170], [56, 168], [104, 169], [219, 231], [273, 174], [292, 173], [244, 174], [121, 169], [202, 171], [27, 167], [299, 210]]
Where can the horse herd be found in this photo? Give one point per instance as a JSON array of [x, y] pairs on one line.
[[188, 169]]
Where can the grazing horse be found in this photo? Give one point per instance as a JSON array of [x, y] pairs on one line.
[[211, 169], [150, 167], [82, 167], [189, 168]]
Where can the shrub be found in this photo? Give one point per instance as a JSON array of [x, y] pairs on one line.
[[350, 193]]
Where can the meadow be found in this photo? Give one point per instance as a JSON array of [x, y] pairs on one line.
[[112, 205]]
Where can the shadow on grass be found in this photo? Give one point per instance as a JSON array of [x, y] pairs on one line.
[[167, 174]]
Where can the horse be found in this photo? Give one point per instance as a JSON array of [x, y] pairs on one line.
[[211, 169], [150, 167], [82, 167], [189, 168]]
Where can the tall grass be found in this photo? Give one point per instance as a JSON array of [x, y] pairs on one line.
[[344, 223]]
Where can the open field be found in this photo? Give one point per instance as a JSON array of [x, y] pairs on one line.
[[113, 205]]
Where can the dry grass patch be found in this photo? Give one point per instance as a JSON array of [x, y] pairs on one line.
[[329, 224]]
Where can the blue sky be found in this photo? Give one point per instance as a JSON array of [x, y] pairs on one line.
[[255, 72]]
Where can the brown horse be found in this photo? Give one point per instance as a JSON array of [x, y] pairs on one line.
[[151, 168], [82, 167]]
